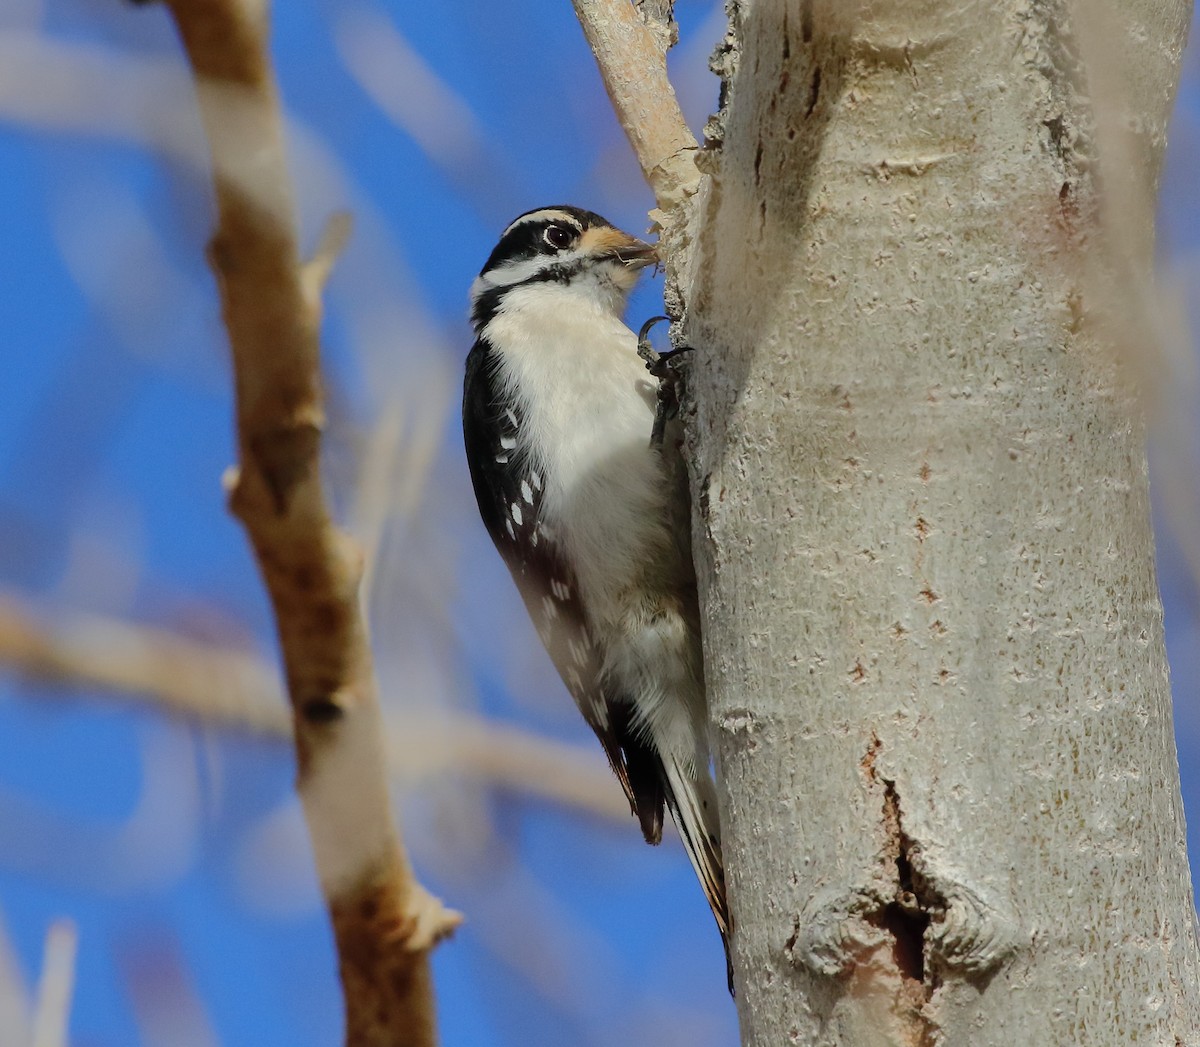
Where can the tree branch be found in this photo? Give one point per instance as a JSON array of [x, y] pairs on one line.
[[238, 690], [15, 1018], [384, 921], [630, 44], [181, 676], [53, 1008]]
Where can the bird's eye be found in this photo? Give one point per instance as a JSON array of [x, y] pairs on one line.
[[558, 237]]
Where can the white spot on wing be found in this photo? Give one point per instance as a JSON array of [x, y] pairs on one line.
[[526, 492], [536, 479], [549, 607], [508, 442], [509, 528], [578, 652], [516, 513], [600, 712]]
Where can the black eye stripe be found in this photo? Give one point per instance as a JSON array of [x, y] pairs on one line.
[[525, 237], [527, 241]]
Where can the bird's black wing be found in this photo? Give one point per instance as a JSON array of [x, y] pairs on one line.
[[509, 491]]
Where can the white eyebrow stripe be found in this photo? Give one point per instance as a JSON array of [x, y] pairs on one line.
[[546, 214]]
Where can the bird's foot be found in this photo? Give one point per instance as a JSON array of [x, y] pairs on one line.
[[661, 366], [658, 364]]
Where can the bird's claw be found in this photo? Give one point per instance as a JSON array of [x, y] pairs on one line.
[[658, 364], [646, 351], [661, 366]]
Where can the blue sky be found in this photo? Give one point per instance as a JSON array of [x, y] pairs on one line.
[[178, 850]]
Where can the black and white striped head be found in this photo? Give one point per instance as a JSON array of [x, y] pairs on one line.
[[564, 247]]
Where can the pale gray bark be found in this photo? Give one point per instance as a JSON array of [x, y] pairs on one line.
[[934, 642]]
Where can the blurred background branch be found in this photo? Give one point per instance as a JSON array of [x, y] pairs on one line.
[[240, 691], [39, 1019], [53, 1006]]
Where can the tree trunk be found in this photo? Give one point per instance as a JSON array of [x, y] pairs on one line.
[[934, 641]]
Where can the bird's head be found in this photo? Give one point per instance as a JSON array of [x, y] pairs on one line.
[[560, 248]]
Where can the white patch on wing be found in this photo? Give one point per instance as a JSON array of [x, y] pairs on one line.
[[516, 513], [526, 492], [578, 652]]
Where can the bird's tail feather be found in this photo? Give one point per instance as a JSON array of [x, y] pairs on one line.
[[692, 799]]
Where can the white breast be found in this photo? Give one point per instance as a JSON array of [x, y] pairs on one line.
[[588, 411]]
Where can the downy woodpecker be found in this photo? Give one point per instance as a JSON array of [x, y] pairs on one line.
[[557, 416]]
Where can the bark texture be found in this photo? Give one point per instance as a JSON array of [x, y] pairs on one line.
[[934, 642]]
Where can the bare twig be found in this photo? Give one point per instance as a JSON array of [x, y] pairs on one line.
[[511, 758], [630, 44], [166, 1005], [315, 272], [81, 88], [56, 986], [236, 689], [200, 680], [406, 89], [384, 922], [394, 476], [44, 1023], [14, 994]]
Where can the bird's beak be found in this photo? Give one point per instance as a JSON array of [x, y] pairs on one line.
[[612, 243], [639, 253], [635, 253]]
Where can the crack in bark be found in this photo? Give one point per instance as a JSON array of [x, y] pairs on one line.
[[906, 919]]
